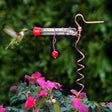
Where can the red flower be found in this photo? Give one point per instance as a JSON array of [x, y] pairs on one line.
[[110, 103], [81, 95], [33, 79], [58, 86], [103, 103], [36, 75], [30, 79], [42, 82], [2, 109], [79, 106], [36, 78], [35, 110], [42, 93], [13, 87], [50, 85], [30, 103]]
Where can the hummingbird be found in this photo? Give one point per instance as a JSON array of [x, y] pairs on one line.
[[17, 37]]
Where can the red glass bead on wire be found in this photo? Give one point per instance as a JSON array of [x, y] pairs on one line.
[[55, 54]]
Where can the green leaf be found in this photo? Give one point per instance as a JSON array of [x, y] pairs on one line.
[[56, 108], [20, 88], [58, 94], [110, 107], [22, 97], [14, 100], [93, 107]]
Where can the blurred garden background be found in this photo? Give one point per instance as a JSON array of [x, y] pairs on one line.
[[34, 53]]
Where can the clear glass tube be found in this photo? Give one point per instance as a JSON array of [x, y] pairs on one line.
[[58, 31]]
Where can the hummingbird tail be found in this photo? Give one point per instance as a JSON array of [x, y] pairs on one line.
[[7, 46]]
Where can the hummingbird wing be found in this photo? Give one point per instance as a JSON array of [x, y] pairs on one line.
[[10, 31]]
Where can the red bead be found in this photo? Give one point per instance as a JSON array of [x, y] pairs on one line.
[[55, 54]]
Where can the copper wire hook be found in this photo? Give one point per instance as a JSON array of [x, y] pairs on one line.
[[87, 22]]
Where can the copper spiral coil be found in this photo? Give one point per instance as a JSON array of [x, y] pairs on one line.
[[78, 35], [80, 65]]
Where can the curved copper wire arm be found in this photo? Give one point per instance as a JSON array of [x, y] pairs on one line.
[[87, 22], [83, 56]]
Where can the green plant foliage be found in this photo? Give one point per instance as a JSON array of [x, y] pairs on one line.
[[33, 53]]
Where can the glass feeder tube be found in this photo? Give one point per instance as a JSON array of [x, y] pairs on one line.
[[38, 31]]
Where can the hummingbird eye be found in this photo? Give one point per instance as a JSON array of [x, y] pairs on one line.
[[26, 30]]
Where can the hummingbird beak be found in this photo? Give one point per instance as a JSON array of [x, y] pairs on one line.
[[28, 31]]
